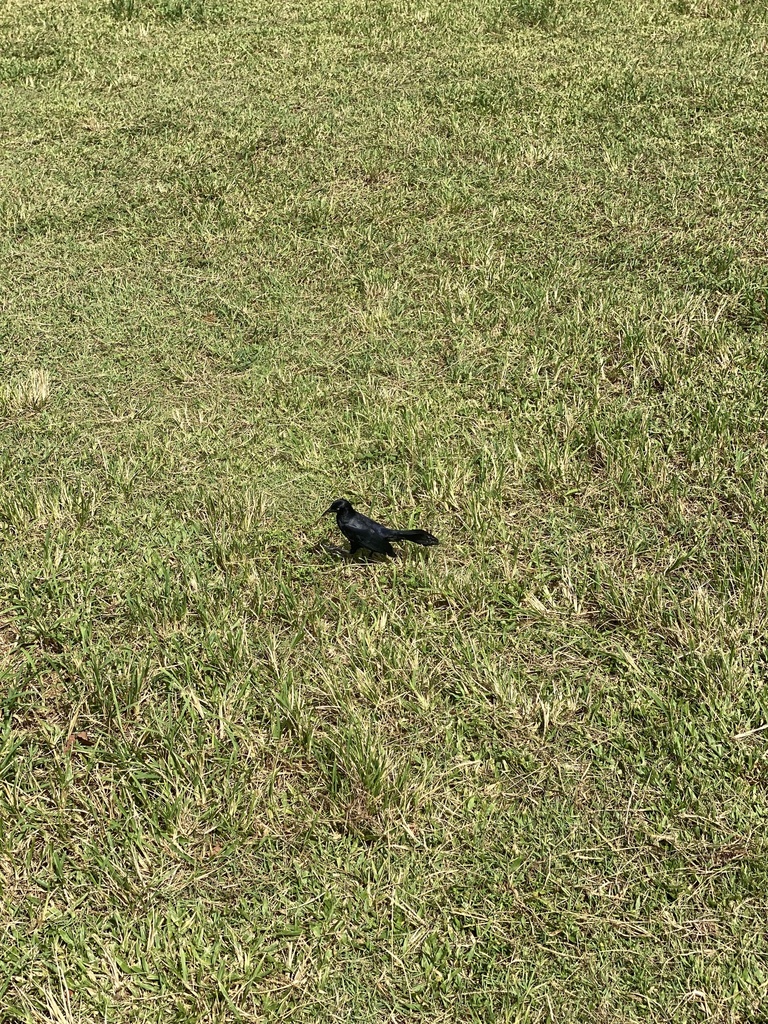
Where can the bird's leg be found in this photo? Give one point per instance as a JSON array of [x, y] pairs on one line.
[[354, 547]]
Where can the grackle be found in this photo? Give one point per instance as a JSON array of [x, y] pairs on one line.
[[362, 532]]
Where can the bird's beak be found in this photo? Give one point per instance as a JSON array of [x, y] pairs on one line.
[[327, 511]]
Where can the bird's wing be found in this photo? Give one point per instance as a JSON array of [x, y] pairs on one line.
[[365, 525], [354, 521]]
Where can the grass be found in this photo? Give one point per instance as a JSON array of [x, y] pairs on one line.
[[497, 269]]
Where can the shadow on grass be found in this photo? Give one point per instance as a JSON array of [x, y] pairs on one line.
[[372, 558]]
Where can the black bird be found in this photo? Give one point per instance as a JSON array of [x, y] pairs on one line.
[[362, 532]]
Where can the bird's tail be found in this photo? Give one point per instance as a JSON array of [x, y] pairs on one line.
[[417, 536]]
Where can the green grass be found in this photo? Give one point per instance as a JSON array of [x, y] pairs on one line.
[[494, 268]]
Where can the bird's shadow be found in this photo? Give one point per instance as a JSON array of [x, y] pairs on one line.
[[343, 554], [359, 558], [324, 548]]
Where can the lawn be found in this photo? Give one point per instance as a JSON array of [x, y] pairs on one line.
[[493, 268]]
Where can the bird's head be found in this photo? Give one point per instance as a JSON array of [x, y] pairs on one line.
[[340, 505]]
